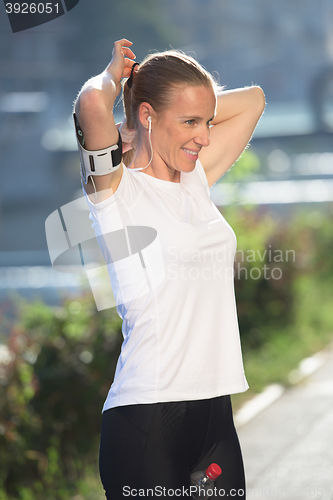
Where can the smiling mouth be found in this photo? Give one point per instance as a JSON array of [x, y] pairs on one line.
[[189, 152]]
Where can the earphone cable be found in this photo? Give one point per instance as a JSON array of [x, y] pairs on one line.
[[151, 149], [140, 168]]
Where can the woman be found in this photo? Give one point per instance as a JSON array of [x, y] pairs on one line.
[[168, 412]]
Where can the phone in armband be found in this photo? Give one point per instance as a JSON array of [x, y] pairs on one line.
[[99, 162]]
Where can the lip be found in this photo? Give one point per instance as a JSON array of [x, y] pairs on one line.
[[192, 157]]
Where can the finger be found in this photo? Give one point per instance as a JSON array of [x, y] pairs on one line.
[[128, 68], [128, 52], [123, 43], [129, 63], [126, 73], [118, 47]]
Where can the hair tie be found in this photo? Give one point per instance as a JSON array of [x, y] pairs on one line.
[[130, 79]]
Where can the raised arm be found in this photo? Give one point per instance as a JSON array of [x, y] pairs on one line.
[[94, 111], [237, 113]]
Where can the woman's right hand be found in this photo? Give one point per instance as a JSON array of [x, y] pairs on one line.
[[121, 62]]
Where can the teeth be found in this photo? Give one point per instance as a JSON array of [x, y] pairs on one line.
[[190, 152]]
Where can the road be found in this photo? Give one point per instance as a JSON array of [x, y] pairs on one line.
[[288, 447]]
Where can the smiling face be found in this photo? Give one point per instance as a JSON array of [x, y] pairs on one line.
[[180, 131]]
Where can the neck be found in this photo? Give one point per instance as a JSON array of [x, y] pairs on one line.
[[157, 168]]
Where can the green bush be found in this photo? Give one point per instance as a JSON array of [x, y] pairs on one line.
[[57, 363], [293, 251], [59, 366], [283, 320]]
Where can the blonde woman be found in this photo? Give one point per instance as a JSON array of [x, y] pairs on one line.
[[168, 412]]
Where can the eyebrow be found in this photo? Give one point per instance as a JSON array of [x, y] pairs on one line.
[[190, 117]]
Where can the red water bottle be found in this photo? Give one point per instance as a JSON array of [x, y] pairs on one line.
[[202, 481]]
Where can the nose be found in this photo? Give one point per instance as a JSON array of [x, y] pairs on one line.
[[203, 138]]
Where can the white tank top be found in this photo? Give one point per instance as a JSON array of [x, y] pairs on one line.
[[174, 290]]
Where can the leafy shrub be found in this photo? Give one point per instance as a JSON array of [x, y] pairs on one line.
[[296, 293], [55, 374]]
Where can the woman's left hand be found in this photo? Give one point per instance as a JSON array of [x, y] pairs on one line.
[[128, 136]]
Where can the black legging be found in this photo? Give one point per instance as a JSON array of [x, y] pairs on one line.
[[155, 448]]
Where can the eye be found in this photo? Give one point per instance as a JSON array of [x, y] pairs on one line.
[[190, 122]]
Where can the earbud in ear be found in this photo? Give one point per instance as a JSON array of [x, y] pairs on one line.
[[149, 119]]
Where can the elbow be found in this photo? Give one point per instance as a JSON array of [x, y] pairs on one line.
[[259, 98], [90, 102]]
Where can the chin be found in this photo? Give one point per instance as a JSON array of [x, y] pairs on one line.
[[189, 168]]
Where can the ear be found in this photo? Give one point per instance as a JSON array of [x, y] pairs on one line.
[[145, 111]]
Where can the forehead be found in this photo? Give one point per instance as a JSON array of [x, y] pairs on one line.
[[189, 100]]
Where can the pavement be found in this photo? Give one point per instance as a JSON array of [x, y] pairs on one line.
[[288, 446]]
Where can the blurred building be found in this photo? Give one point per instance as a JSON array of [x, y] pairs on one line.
[[283, 46], [286, 47]]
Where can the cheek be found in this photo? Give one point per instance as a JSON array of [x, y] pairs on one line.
[[169, 139], [175, 137]]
